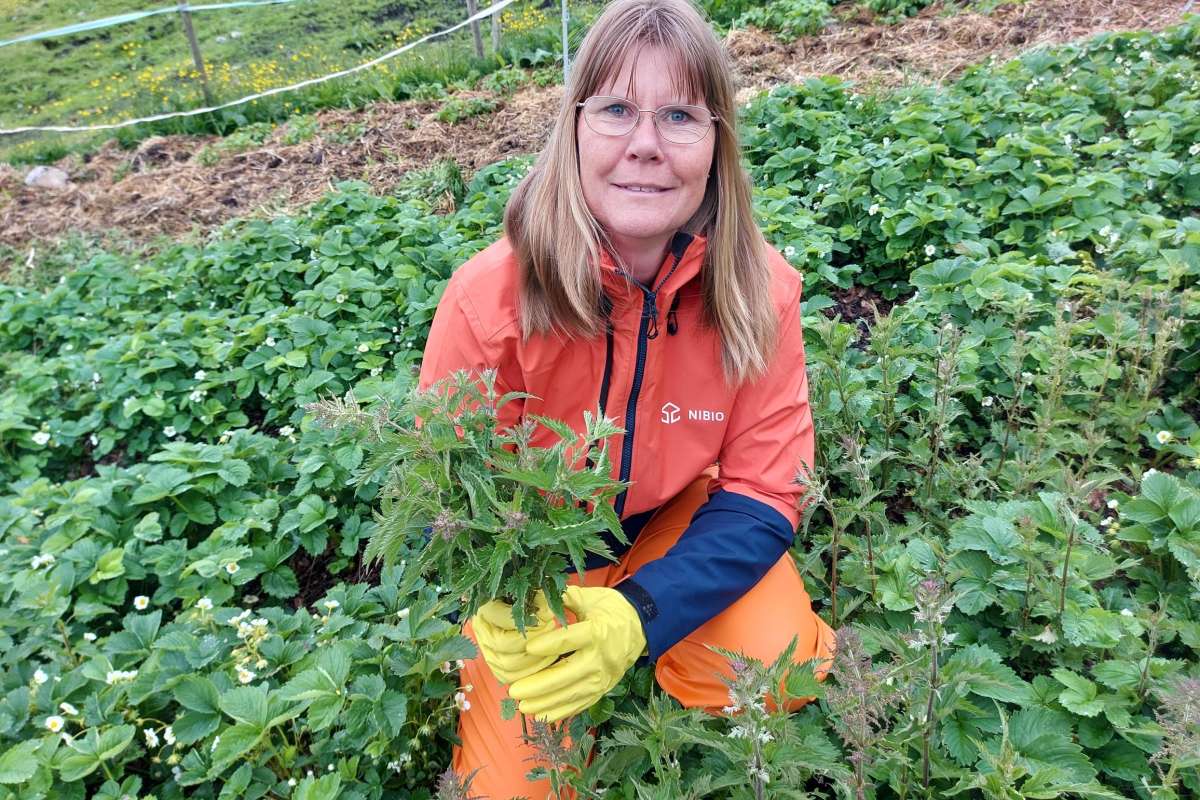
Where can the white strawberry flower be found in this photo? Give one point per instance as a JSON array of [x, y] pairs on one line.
[[1164, 436], [403, 613], [873, 210], [987, 401], [460, 700], [1113, 503], [205, 603], [54, 723], [169, 431], [95, 377], [141, 602], [169, 735], [231, 567], [89, 637], [40, 677], [67, 708], [341, 298], [270, 341], [245, 675], [364, 347], [41, 438], [151, 737], [200, 375], [1149, 472], [1126, 612], [930, 250]]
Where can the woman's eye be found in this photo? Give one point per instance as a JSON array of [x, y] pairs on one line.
[[678, 115], [616, 110]]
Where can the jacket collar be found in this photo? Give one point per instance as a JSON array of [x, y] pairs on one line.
[[688, 248]]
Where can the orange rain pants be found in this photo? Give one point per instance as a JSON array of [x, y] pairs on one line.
[[759, 624]]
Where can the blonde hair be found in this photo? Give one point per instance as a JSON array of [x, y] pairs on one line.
[[556, 239]]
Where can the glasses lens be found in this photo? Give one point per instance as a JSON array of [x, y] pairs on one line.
[[612, 116], [609, 116], [682, 124]]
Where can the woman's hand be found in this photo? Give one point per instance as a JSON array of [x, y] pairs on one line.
[[504, 647], [603, 644]]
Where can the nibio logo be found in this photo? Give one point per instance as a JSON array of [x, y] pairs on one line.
[[670, 414]]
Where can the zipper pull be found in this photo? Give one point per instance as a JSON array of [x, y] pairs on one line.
[[672, 320], [652, 330]]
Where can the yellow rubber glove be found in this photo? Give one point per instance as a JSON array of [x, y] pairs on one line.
[[603, 644], [503, 646]]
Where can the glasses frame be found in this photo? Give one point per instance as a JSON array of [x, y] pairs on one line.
[[713, 118]]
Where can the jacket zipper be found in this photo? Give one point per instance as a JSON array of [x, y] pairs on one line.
[[649, 314]]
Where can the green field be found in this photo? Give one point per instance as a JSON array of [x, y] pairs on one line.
[[145, 67]]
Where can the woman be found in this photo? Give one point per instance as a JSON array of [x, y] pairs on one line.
[[632, 275]]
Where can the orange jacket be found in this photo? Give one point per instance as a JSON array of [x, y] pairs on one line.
[[661, 380]]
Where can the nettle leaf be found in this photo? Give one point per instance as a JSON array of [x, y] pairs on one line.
[[983, 672], [1080, 695], [1118, 674], [992, 535]]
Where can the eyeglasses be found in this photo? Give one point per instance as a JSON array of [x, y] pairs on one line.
[[614, 116]]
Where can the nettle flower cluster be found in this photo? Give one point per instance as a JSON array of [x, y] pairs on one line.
[[748, 689]]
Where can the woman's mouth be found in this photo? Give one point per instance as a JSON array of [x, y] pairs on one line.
[[641, 188]]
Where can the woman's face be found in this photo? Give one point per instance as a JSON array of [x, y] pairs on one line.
[[643, 222]]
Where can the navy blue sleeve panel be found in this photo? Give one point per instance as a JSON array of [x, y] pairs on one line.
[[732, 542]]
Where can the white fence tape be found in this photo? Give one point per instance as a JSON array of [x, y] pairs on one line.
[[483, 14]]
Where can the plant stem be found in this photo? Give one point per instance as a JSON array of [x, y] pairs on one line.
[[1062, 589]]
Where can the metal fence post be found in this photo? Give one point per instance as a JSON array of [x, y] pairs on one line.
[[186, 16], [566, 52]]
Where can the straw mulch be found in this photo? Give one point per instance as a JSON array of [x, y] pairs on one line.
[[931, 48], [161, 188]]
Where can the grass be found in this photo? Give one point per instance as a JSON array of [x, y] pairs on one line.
[[145, 67]]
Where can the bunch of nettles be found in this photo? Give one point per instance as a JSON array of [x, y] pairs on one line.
[[482, 508]]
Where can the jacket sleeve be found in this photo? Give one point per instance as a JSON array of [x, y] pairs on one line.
[[749, 522], [457, 341]]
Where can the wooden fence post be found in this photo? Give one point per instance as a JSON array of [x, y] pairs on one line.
[[472, 8], [186, 16], [495, 34]]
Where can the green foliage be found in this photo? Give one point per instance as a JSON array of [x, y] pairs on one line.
[[789, 18], [456, 109], [502, 517]]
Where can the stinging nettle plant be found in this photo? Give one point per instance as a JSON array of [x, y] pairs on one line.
[[483, 508]]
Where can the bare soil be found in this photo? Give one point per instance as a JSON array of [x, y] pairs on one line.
[[162, 188]]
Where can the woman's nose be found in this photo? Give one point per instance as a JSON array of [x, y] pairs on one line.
[[643, 139]]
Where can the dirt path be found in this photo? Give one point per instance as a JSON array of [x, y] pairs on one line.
[[163, 189]]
